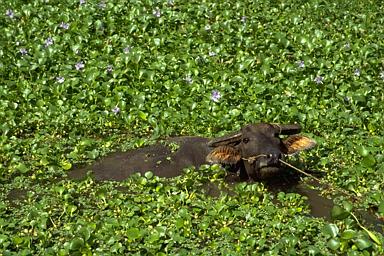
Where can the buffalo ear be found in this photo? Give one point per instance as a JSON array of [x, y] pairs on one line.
[[296, 143], [224, 155]]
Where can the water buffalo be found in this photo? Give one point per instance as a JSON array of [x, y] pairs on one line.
[[250, 153]]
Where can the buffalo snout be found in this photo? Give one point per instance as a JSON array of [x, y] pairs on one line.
[[271, 160]]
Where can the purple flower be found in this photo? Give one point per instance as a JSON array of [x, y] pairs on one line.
[[357, 72], [109, 69], [156, 13], [127, 49], [243, 19], [188, 79], [10, 13], [116, 110], [79, 65], [319, 80], [215, 96], [64, 25], [300, 64], [48, 42], [82, 2], [60, 79], [23, 51]]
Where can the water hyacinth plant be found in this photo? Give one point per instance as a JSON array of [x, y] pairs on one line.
[[80, 79]]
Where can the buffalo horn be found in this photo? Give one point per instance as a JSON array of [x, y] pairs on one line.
[[287, 129]]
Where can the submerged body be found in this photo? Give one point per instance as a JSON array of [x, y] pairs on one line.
[[160, 158]]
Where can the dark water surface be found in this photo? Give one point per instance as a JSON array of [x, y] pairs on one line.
[[319, 205]]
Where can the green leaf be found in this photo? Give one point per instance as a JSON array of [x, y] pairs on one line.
[[348, 234], [225, 230], [85, 232], [333, 244], [363, 151], [22, 168], [339, 213], [331, 230], [373, 237], [66, 165], [71, 209], [381, 208], [234, 112], [143, 115], [362, 243], [148, 175], [368, 161], [93, 154], [157, 41], [76, 244], [3, 238], [133, 234], [347, 206]]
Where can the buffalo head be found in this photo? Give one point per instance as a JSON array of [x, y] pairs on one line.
[[256, 149]]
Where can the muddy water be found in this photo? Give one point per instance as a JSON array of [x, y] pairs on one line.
[[321, 206]]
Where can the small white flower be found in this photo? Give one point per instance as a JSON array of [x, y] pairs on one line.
[[382, 75], [23, 51], [319, 80], [109, 69], [212, 54], [157, 13], [102, 5], [64, 25], [48, 42], [188, 79], [301, 64], [79, 65], [10, 13], [347, 46], [60, 79]]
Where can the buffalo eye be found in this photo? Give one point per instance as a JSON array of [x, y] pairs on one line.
[[245, 140]]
